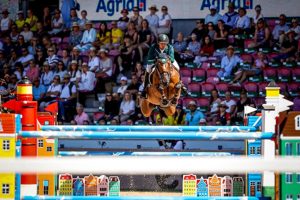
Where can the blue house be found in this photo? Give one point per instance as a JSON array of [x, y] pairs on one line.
[[202, 187], [78, 187], [254, 180]]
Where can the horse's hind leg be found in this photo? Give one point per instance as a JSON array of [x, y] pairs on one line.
[[146, 108]]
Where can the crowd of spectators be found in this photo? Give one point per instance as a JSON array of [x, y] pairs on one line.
[[68, 58]]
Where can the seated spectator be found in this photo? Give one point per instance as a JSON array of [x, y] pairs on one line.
[[20, 21], [75, 35], [116, 35], [52, 58], [280, 29], [136, 18], [57, 24], [165, 22], [105, 70], [213, 17], [193, 49], [83, 19], [41, 32], [214, 103], [94, 60], [193, 117], [46, 43], [12, 83], [123, 21], [65, 58], [180, 46], [103, 36], [114, 122], [211, 30], [86, 83], [25, 58], [88, 38], [74, 72], [32, 72], [242, 24], [19, 72], [73, 19], [223, 117], [144, 39], [53, 92], [47, 75], [207, 50], [230, 16], [27, 34], [295, 27], [221, 36], [111, 107], [60, 70], [5, 23], [75, 55], [13, 58], [125, 59], [241, 103], [38, 90], [230, 103], [14, 33], [133, 87], [123, 87], [39, 56], [2, 59], [81, 116], [228, 63], [33, 46], [258, 15], [139, 71], [153, 19], [256, 69], [31, 20], [262, 35], [288, 48], [8, 45], [199, 30], [132, 33], [127, 107], [20, 45], [67, 99]]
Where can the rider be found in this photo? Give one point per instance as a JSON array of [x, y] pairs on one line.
[[162, 47]]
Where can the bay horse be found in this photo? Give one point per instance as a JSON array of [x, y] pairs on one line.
[[164, 90]]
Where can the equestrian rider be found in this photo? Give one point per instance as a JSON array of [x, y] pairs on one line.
[[155, 51]]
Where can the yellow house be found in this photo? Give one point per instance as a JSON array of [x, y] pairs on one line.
[[7, 186]]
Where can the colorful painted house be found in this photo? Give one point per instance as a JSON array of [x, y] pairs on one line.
[[290, 146], [90, 183], [7, 150], [78, 186], [202, 187], [114, 186], [189, 185], [214, 186], [65, 185], [227, 186], [238, 186], [102, 186]]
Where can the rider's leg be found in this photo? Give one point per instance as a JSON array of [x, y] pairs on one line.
[[146, 82]]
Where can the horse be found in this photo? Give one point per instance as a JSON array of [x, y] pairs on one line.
[[164, 90]]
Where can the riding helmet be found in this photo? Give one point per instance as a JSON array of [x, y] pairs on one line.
[[163, 38]]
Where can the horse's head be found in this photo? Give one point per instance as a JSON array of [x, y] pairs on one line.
[[164, 69]]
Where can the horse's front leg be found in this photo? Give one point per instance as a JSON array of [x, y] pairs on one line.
[[164, 100], [177, 88]]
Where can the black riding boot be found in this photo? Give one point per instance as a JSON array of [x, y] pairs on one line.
[[146, 83]]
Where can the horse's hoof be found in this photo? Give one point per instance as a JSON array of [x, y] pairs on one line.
[[174, 101], [164, 103]]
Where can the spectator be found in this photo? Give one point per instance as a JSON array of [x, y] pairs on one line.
[[105, 70], [259, 64], [289, 47], [52, 58], [89, 36], [83, 19], [20, 45], [33, 45], [242, 24], [123, 86], [241, 103], [53, 92], [123, 21], [280, 29], [39, 57], [116, 35], [57, 24], [200, 30], [230, 103], [193, 49], [81, 116], [111, 107], [114, 122], [132, 33], [86, 83], [139, 70], [295, 27], [32, 71], [262, 35], [136, 18], [211, 30], [60, 70], [258, 15], [213, 17], [20, 21], [125, 59], [20, 72], [230, 16], [65, 58], [5, 23], [179, 116], [75, 35], [38, 90], [46, 43], [127, 107], [2, 59], [180, 46], [193, 117], [214, 104], [8, 45], [94, 61], [73, 19], [133, 87], [13, 59], [153, 20], [12, 84], [207, 50], [31, 20], [75, 55], [26, 57], [103, 36], [27, 34], [74, 72], [67, 99], [144, 39], [221, 35], [14, 33], [223, 117], [46, 76], [165, 22], [46, 22], [228, 63]]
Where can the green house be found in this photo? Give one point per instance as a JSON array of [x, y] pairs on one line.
[[290, 146]]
